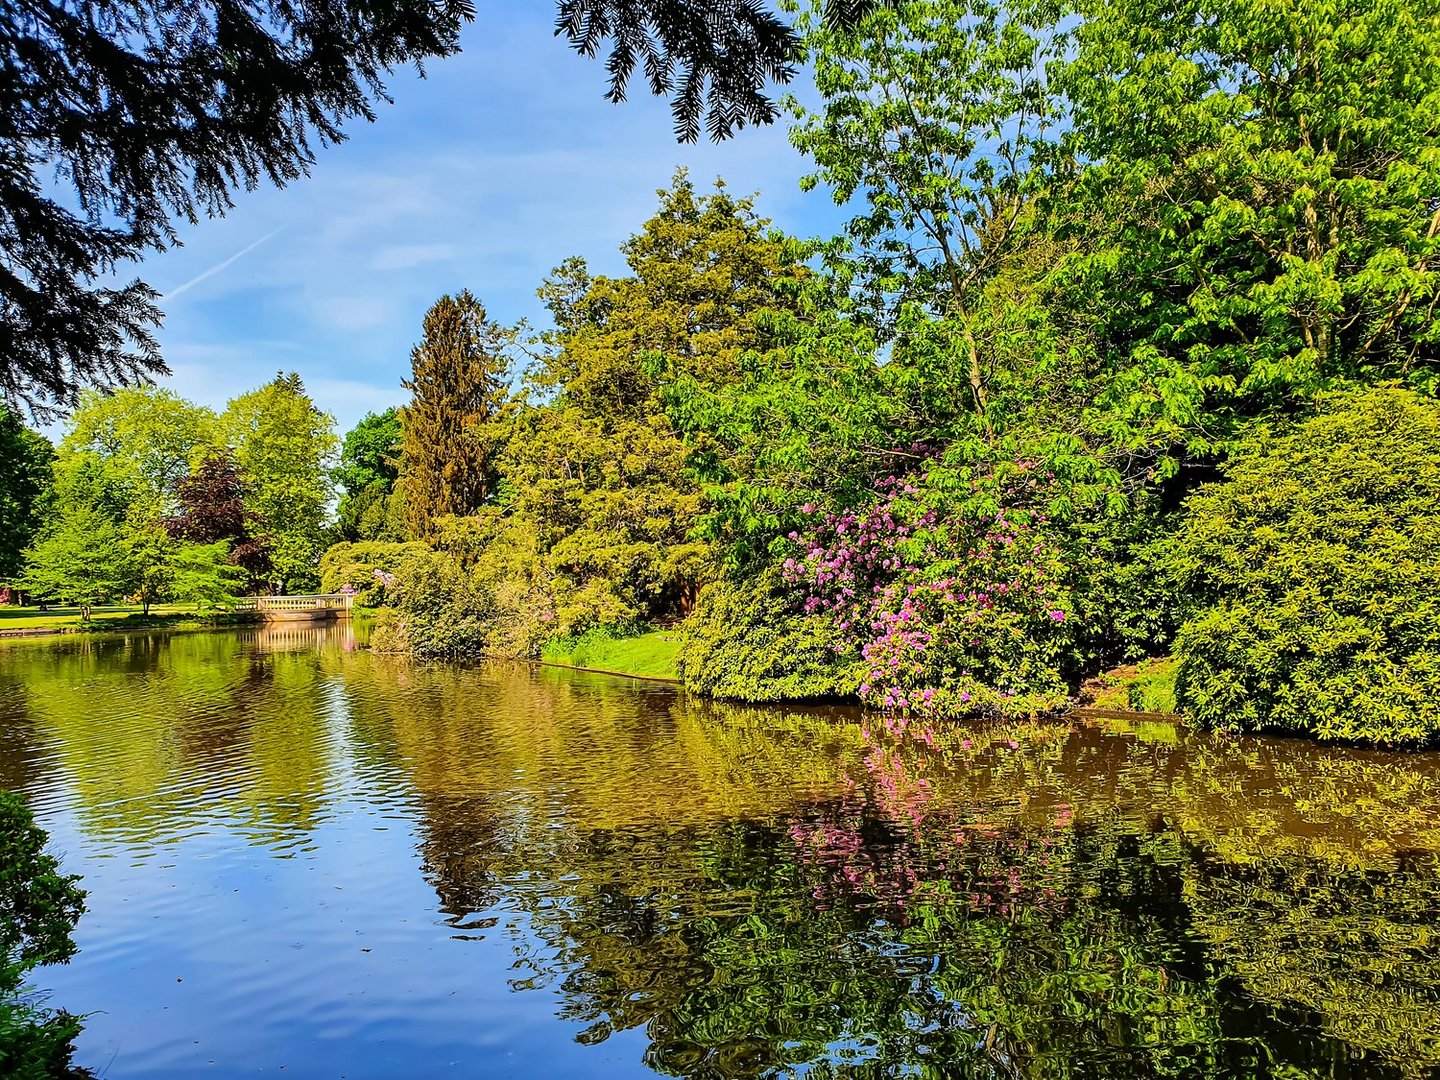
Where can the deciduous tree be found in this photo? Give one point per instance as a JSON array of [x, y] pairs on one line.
[[369, 467], [284, 448]]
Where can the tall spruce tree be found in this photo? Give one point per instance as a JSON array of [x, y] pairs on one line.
[[460, 382]]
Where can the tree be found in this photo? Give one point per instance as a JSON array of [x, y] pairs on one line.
[[81, 557], [283, 446], [602, 468], [1259, 207], [205, 577], [459, 382], [144, 439], [369, 466], [145, 117], [939, 123], [213, 511], [39, 907], [25, 480]]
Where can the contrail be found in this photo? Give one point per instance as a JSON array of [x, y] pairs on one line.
[[219, 266]]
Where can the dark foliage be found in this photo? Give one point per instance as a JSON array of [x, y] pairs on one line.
[[149, 114], [25, 478], [212, 501], [39, 907]]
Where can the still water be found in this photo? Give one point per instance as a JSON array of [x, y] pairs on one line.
[[304, 859]]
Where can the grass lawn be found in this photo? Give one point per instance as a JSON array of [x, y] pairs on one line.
[[32, 618], [1148, 686], [651, 655]]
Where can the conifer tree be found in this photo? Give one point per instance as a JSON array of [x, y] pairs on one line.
[[459, 379]]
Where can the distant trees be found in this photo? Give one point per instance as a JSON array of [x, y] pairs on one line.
[[459, 383], [369, 466], [25, 480], [153, 498], [284, 446]]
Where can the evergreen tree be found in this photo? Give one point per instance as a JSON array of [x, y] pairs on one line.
[[459, 379], [119, 118], [602, 468]]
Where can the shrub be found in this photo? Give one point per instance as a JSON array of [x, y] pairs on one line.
[[1315, 571], [38, 909], [955, 603], [437, 610], [746, 641], [366, 568], [487, 592]]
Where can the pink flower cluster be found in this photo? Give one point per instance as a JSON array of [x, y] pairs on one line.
[[951, 610]]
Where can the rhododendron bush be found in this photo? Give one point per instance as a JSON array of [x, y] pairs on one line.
[[953, 608], [947, 594]]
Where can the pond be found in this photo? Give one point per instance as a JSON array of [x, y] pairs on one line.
[[307, 859]]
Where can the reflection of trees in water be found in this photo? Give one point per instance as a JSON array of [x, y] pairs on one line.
[[963, 909], [154, 728], [21, 759], [764, 889]]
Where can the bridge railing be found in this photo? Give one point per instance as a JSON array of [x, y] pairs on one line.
[[315, 602]]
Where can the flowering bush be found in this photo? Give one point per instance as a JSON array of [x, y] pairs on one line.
[[365, 569], [953, 609]]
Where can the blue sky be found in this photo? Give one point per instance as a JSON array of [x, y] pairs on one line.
[[484, 175]]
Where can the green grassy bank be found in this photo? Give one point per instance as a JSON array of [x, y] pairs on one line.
[[23, 621], [1148, 686], [651, 655]]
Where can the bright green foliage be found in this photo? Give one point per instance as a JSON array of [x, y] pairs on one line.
[[600, 468], [202, 576], [1260, 196], [25, 480], [460, 383], [121, 457], [933, 114], [1315, 568], [747, 641], [146, 439], [435, 610], [369, 466], [487, 592], [80, 557], [284, 446], [39, 907], [366, 568]]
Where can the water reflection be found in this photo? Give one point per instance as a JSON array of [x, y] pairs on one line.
[[605, 878]]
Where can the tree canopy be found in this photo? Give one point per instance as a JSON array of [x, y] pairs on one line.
[[120, 119]]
